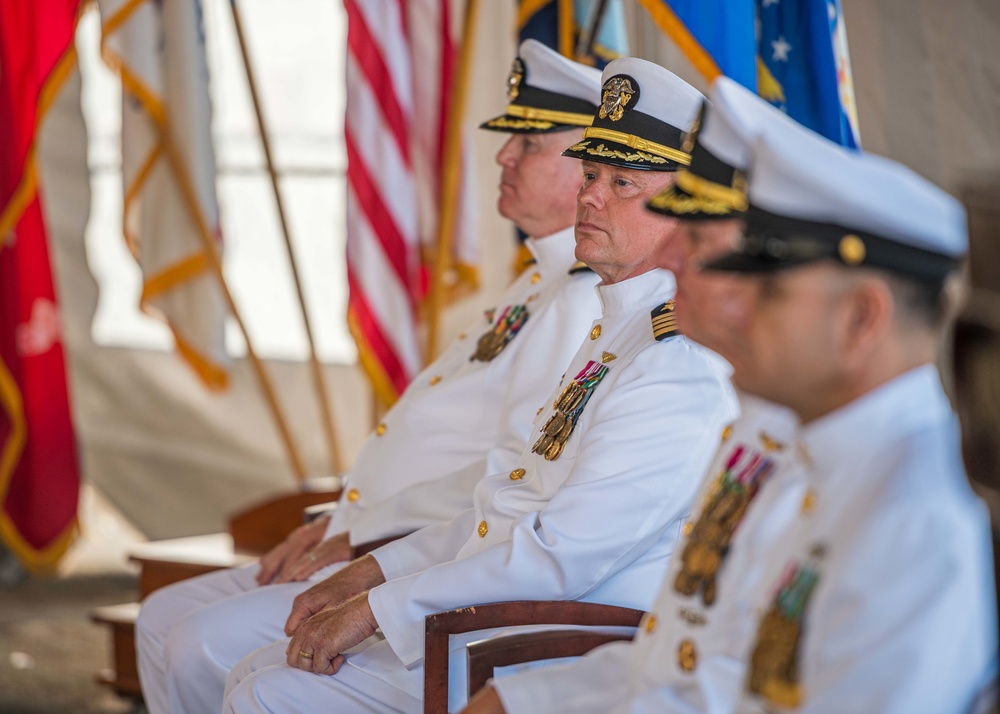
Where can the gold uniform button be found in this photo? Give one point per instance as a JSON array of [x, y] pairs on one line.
[[727, 432], [353, 495], [483, 529], [517, 474], [596, 332], [535, 277], [380, 429], [650, 623], [808, 502], [687, 528], [687, 657], [435, 379]]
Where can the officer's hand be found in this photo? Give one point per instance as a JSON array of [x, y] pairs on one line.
[[332, 550], [319, 641], [361, 575], [486, 701], [282, 556]]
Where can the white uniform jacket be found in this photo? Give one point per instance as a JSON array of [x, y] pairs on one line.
[[884, 573], [608, 679], [458, 409], [599, 522]]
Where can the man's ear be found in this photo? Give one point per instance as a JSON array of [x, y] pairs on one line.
[[868, 314]]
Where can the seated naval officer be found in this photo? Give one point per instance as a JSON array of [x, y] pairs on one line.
[[876, 596], [594, 505], [469, 413], [753, 474]]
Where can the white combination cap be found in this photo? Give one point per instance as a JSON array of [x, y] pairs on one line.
[[721, 143], [644, 116], [812, 199], [547, 92]]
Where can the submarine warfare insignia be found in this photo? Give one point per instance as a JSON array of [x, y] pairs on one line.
[[568, 407], [492, 342], [724, 506], [774, 664]]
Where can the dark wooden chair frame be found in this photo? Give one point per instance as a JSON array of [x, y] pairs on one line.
[[514, 649]]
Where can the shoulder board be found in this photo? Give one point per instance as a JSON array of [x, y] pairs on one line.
[[580, 267], [664, 321]]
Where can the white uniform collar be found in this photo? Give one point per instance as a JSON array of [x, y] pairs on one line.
[[858, 430], [555, 252], [643, 292]]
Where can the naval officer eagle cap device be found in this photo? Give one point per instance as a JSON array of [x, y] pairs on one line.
[[714, 185], [643, 118], [547, 92], [811, 199]]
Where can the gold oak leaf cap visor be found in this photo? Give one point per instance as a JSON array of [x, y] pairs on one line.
[[811, 199], [547, 92], [643, 118]]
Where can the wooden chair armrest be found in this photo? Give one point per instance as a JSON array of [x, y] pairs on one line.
[[439, 627], [486, 655]]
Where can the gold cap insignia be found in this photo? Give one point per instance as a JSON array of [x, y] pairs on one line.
[[514, 79], [618, 92], [852, 249]]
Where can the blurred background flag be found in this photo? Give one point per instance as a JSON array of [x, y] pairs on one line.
[[717, 36], [408, 238], [804, 67], [589, 31], [39, 476], [158, 48], [383, 242]]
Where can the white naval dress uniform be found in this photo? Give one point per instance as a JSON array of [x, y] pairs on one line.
[[902, 617], [596, 524], [457, 416]]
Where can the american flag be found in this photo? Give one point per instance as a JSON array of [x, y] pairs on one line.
[[400, 67]]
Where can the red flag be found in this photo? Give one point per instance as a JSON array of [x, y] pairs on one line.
[[39, 478]]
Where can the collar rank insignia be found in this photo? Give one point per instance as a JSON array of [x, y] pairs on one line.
[[580, 267], [774, 666], [618, 92], [493, 341], [723, 508], [514, 79], [568, 407], [664, 321]]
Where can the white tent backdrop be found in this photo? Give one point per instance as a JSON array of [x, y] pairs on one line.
[[176, 459]]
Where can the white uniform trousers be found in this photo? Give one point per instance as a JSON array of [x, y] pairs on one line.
[[262, 682], [190, 634]]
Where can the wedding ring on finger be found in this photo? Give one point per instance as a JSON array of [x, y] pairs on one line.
[[305, 655], [312, 557]]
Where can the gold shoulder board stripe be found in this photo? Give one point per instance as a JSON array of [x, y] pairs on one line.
[[664, 321], [580, 267]]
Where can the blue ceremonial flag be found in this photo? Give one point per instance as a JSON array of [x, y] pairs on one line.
[[717, 36], [804, 67], [589, 31]]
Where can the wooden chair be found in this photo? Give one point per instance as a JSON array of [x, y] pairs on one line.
[[514, 649], [252, 532]]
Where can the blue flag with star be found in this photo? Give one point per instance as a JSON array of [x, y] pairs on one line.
[[803, 66]]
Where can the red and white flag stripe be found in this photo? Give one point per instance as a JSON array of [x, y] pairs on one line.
[[399, 70]]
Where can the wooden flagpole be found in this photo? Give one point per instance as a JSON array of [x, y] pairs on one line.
[[215, 263], [450, 173], [319, 382]]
